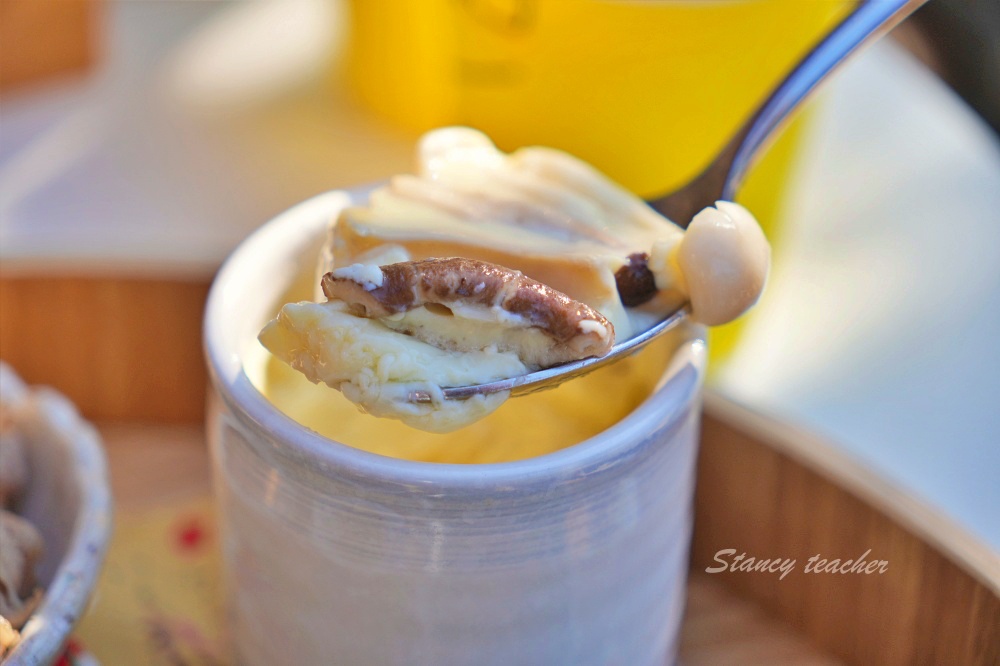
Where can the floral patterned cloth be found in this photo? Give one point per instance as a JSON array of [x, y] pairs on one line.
[[159, 600]]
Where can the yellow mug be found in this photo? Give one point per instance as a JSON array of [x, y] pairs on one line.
[[647, 91]]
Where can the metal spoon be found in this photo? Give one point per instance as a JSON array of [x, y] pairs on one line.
[[722, 178]]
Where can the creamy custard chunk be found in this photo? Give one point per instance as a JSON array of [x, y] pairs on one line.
[[377, 368]]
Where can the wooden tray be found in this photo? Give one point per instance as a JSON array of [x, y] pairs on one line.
[[128, 352]]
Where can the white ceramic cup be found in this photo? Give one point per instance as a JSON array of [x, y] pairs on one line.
[[338, 556]]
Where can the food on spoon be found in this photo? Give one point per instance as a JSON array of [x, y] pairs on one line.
[[720, 264], [599, 261], [411, 327]]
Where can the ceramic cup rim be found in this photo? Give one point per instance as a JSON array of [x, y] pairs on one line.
[[678, 387]]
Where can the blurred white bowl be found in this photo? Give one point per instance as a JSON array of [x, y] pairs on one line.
[[69, 501]]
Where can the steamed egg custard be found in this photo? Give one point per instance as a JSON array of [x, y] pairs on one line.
[[485, 265]]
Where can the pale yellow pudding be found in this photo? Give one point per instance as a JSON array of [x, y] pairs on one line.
[[523, 428]]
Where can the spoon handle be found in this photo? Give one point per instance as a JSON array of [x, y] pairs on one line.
[[871, 20], [723, 176]]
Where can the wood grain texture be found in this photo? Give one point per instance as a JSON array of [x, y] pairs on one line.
[[722, 628], [120, 349], [770, 491], [43, 38]]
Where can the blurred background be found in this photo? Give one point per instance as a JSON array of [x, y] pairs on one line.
[[140, 141]]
